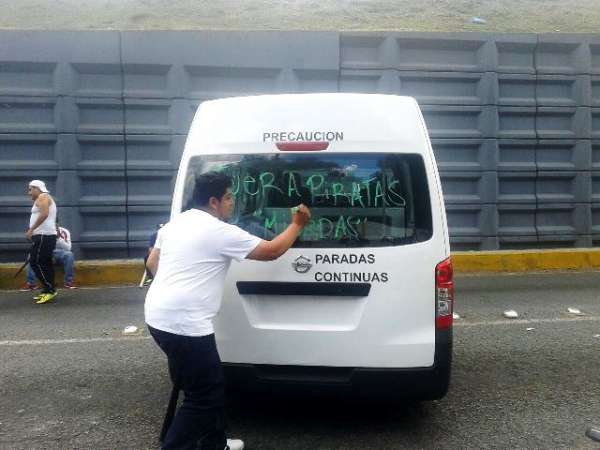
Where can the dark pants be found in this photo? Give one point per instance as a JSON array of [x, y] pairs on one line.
[[195, 368], [40, 259]]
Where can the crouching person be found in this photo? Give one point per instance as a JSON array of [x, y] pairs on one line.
[[190, 261]]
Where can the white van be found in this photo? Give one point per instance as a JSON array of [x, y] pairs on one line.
[[363, 300]]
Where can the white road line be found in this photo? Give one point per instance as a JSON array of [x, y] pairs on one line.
[[457, 323], [73, 341], [460, 323]]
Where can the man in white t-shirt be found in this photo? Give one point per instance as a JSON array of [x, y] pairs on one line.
[[190, 261]]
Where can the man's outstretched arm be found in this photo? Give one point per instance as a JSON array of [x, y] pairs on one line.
[[273, 249]]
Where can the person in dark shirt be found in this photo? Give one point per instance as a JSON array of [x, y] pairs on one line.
[[149, 275]]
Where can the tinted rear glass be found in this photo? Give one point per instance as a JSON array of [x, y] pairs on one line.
[[356, 200]]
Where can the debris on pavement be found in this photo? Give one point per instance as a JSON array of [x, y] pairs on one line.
[[575, 311], [530, 329], [511, 314], [478, 21], [130, 329], [455, 316]]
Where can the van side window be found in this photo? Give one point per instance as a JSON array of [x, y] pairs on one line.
[[356, 199]]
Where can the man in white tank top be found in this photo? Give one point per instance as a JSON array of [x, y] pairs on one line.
[[42, 234]]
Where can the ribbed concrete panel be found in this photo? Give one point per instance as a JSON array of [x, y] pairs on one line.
[[516, 122], [14, 186], [99, 224], [472, 220], [463, 243], [516, 89], [314, 80], [563, 90], [516, 187], [143, 221], [563, 123], [14, 251], [449, 88], [95, 80], [518, 242], [31, 151], [220, 64], [563, 155], [564, 241], [460, 121], [216, 82], [27, 77], [89, 115], [31, 114], [595, 218], [154, 152], [563, 187], [89, 152], [594, 42], [517, 220], [515, 53], [465, 154], [152, 80], [101, 250], [595, 181], [450, 52], [150, 187], [469, 187], [366, 51], [370, 81], [595, 125], [595, 91], [156, 116], [563, 219], [14, 222], [595, 144], [517, 227], [102, 188], [562, 54], [59, 63], [515, 155]]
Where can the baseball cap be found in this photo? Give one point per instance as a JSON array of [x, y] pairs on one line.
[[39, 184]]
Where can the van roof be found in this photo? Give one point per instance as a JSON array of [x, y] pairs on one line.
[[340, 118]]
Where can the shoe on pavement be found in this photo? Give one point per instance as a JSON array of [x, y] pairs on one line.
[[70, 286], [45, 298], [593, 433], [235, 444], [38, 296], [28, 287]]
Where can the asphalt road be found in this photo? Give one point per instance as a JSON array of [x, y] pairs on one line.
[[70, 379]]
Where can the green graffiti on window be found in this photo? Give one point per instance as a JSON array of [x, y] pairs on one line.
[[265, 198]]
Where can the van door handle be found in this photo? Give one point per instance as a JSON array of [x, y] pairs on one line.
[[303, 288]]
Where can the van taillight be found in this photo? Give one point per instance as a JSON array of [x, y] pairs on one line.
[[444, 295], [302, 146]]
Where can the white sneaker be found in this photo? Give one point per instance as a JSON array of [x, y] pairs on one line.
[[235, 444]]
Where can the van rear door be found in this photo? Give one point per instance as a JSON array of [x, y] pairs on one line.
[[358, 287]]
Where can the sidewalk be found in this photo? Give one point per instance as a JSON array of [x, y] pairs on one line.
[[129, 272]]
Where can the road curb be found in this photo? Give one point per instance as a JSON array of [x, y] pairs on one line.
[[129, 272]]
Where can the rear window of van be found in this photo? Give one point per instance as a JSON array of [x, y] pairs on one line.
[[356, 199]]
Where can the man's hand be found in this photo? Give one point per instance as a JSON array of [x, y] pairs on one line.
[[29, 234], [270, 250], [300, 215]]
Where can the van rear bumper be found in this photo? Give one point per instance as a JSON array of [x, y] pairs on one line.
[[422, 383]]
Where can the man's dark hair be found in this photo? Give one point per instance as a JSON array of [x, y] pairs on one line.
[[210, 184]]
